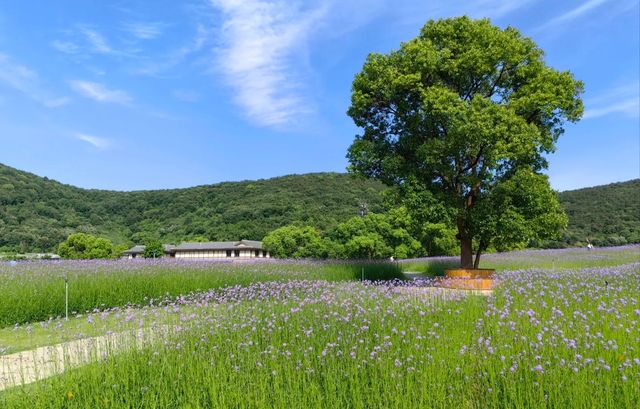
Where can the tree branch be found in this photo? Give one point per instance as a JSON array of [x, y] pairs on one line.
[[495, 83]]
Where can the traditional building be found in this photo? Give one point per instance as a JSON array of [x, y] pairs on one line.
[[221, 249], [242, 249], [138, 251]]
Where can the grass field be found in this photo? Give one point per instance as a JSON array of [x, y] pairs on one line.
[[517, 260], [35, 291], [563, 337]]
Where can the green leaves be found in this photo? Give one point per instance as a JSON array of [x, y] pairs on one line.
[[86, 246], [153, 249], [295, 242], [461, 109]]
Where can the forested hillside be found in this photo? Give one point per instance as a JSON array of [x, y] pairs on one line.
[[607, 215], [36, 213]]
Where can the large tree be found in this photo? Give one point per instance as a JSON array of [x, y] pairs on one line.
[[86, 246], [467, 112]]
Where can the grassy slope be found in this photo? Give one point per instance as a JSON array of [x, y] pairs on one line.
[[37, 213], [608, 215]]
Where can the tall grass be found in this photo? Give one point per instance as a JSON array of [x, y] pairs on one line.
[[517, 260], [545, 339], [35, 291]]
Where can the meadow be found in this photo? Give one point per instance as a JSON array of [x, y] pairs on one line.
[[548, 337], [35, 291]]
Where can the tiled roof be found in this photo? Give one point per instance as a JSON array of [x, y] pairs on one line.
[[220, 245], [139, 249]]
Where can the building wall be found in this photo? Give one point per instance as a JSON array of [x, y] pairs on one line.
[[221, 254]]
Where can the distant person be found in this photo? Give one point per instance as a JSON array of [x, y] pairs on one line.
[[391, 259], [589, 245]]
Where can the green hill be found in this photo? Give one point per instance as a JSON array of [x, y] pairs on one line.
[[37, 213], [607, 215]]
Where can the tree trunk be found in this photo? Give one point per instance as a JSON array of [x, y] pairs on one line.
[[466, 252], [476, 263]]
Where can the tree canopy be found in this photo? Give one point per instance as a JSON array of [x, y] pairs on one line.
[[153, 249], [373, 236], [295, 242], [86, 246], [466, 113]]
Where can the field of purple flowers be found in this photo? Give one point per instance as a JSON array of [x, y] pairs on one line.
[[35, 291], [546, 338]]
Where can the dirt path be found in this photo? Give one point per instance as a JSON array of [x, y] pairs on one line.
[[30, 366], [22, 368]]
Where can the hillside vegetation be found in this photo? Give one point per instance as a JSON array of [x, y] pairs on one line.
[[37, 213], [608, 215]]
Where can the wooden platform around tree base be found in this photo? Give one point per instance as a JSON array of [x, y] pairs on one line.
[[465, 283], [485, 273], [467, 279]]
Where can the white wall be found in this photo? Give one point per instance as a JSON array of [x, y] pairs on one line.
[[218, 254]]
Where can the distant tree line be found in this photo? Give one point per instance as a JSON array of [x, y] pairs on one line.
[[37, 214], [372, 236]]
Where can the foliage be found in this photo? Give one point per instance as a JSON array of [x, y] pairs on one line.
[[153, 249], [36, 213], [86, 246], [375, 236], [439, 239], [295, 242], [459, 112], [606, 215]]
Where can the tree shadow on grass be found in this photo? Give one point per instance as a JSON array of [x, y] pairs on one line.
[[431, 268]]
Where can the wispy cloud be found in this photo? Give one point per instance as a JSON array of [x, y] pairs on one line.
[[144, 31], [97, 142], [97, 41], [66, 47], [161, 64], [615, 7], [27, 81], [623, 100], [83, 41], [100, 93], [261, 44], [415, 14]]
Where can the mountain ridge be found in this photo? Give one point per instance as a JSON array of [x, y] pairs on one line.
[[36, 213]]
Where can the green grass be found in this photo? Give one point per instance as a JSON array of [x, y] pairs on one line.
[[520, 260], [546, 339], [549, 337], [33, 292]]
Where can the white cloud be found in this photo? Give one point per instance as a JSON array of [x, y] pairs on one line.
[[161, 64], [97, 142], [27, 81], [576, 12], [66, 47], [97, 42], [624, 100], [144, 31], [612, 8], [262, 44], [99, 92]]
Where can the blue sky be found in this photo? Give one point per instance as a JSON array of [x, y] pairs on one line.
[[158, 94]]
